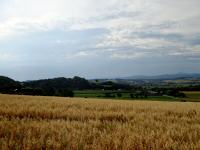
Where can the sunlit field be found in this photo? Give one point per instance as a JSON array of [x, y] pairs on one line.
[[28, 122]]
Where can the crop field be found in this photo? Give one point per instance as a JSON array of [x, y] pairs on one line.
[[33, 123]]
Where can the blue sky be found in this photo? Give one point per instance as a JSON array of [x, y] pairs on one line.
[[97, 39]]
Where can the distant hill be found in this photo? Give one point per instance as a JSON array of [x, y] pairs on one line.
[[75, 83], [55, 87], [8, 85], [166, 77], [49, 87], [65, 86]]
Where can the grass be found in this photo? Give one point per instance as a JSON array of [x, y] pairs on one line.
[[193, 96], [125, 95], [31, 123]]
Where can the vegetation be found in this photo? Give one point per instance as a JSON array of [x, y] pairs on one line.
[[193, 96], [8, 85], [63, 123], [47, 87], [123, 94], [80, 87]]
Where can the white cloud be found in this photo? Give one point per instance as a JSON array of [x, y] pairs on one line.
[[4, 56], [7, 57], [129, 55], [123, 18], [80, 54], [112, 14]]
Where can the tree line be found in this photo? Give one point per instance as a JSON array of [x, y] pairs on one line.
[[66, 87]]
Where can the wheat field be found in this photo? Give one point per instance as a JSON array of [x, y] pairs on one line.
[[34, 123]]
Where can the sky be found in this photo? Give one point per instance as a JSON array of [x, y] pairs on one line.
[[98, 38]]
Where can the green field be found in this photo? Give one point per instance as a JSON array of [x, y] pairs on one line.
[[193, 96], [124, 95], [190, 96]]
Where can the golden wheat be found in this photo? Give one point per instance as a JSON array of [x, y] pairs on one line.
[[32, 123]]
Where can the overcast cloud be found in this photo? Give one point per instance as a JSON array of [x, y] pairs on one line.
[[91, 38]]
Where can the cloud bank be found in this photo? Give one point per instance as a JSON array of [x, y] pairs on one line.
[[109, 38]]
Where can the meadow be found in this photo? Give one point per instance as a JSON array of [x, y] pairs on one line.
[[125, 95], [33, 123], [193, 96]]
